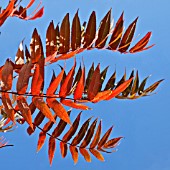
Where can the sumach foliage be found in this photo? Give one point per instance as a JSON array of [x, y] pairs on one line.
[[75, 88]]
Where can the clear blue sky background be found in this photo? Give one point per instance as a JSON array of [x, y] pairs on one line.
[[144, 122]]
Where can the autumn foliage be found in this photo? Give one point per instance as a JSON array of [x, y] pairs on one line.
[[75, 88]]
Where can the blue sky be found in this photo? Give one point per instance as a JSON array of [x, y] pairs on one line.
[[144, 122]]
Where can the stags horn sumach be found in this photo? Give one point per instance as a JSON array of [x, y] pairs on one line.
[[42, 102]]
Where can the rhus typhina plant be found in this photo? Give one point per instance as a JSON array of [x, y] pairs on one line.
[[44, 107]]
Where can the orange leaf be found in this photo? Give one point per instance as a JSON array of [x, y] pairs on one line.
[[97, 154], [74, 153], [85, 154], [63, 148], [41, 140], [7, 76], [101, 96], [53, 86], [42, 106], [23, 78], [58, 109], [74, 105], [66, 86], [94, 84], [80, 86], [25, 110], [119, 89], [51, 149]]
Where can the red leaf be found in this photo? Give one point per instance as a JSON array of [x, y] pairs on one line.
[[7, 12], [53, 86], [41, 140], [66, 86], [140, 46], [80, 86], [38, 78], [39, 14], [74, 105], [51, 149], [119, 89], [8, 106], [94, 84], [58, 109]]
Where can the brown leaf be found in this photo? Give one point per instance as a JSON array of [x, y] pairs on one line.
[[103, 31], [89, 134], [77, 139], [23, 78], [65, 35], [127, 37], [90, 31], [72, 129], [7, 76], [51, 42], [36, 47], [117, 34], [97, 136], [8, 106], [112, 143], [104, 138], [76, 33]]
